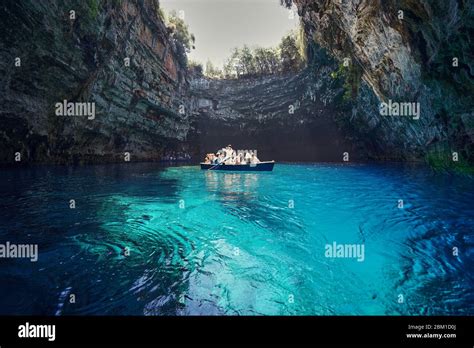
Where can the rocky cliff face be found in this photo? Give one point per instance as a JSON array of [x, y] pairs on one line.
[[404, 51], [401, 51], [78, 51], [407, 52]]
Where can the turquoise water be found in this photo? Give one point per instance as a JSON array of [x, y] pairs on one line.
[[148, 240]]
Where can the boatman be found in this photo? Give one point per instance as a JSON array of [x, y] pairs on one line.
[[248, 157], [228, 154], [228, 151]]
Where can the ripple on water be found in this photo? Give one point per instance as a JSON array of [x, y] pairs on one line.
[[230, 243]]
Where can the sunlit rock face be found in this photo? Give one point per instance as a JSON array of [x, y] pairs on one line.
[[84, 60], [406, 51]]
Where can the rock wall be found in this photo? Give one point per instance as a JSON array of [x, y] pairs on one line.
[[406, 51], [149, 107], [83, 60]]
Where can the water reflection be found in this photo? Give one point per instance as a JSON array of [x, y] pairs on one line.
[[232, 187]]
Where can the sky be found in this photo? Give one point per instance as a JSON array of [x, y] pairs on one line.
[[221, 25]]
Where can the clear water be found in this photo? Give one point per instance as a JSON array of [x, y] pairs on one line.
[[230, 243]]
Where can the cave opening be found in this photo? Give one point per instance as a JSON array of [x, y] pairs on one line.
[[253, 81]]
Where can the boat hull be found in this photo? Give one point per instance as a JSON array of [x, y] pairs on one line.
[[259, 167]]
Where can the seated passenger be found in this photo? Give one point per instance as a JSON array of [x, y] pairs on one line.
[[247, 157], [254, 159], [212, 157], [221, 157]]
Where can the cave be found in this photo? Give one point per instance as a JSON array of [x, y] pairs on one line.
[[351, 209]]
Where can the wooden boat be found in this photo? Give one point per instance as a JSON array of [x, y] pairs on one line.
[[258, 167]]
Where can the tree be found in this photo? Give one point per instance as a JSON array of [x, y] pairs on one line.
[[247, 61], [213, 71], [195, 68], [233, 66], [181, 37], [271, 60], [180, 31], [289, 53], [261, 65], [290, 56], [229, 69]]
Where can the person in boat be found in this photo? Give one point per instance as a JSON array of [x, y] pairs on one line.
[[254, 159], [234, 157], [247, 157], [230, 160], [221, 157], [211, 158], [225, 154], [228, 151]]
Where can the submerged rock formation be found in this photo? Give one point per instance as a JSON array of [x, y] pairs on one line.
[[404, 51], [116, 54]]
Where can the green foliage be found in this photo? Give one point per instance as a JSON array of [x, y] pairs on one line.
[[351, 76], [441, 159], [88, 14], [213, 71], [180, 35], [289, 53], [247, 61], [161, 14], [180, 31], [233, 65], [289, 56], [93, 8], [266, 61], [195, 68]]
